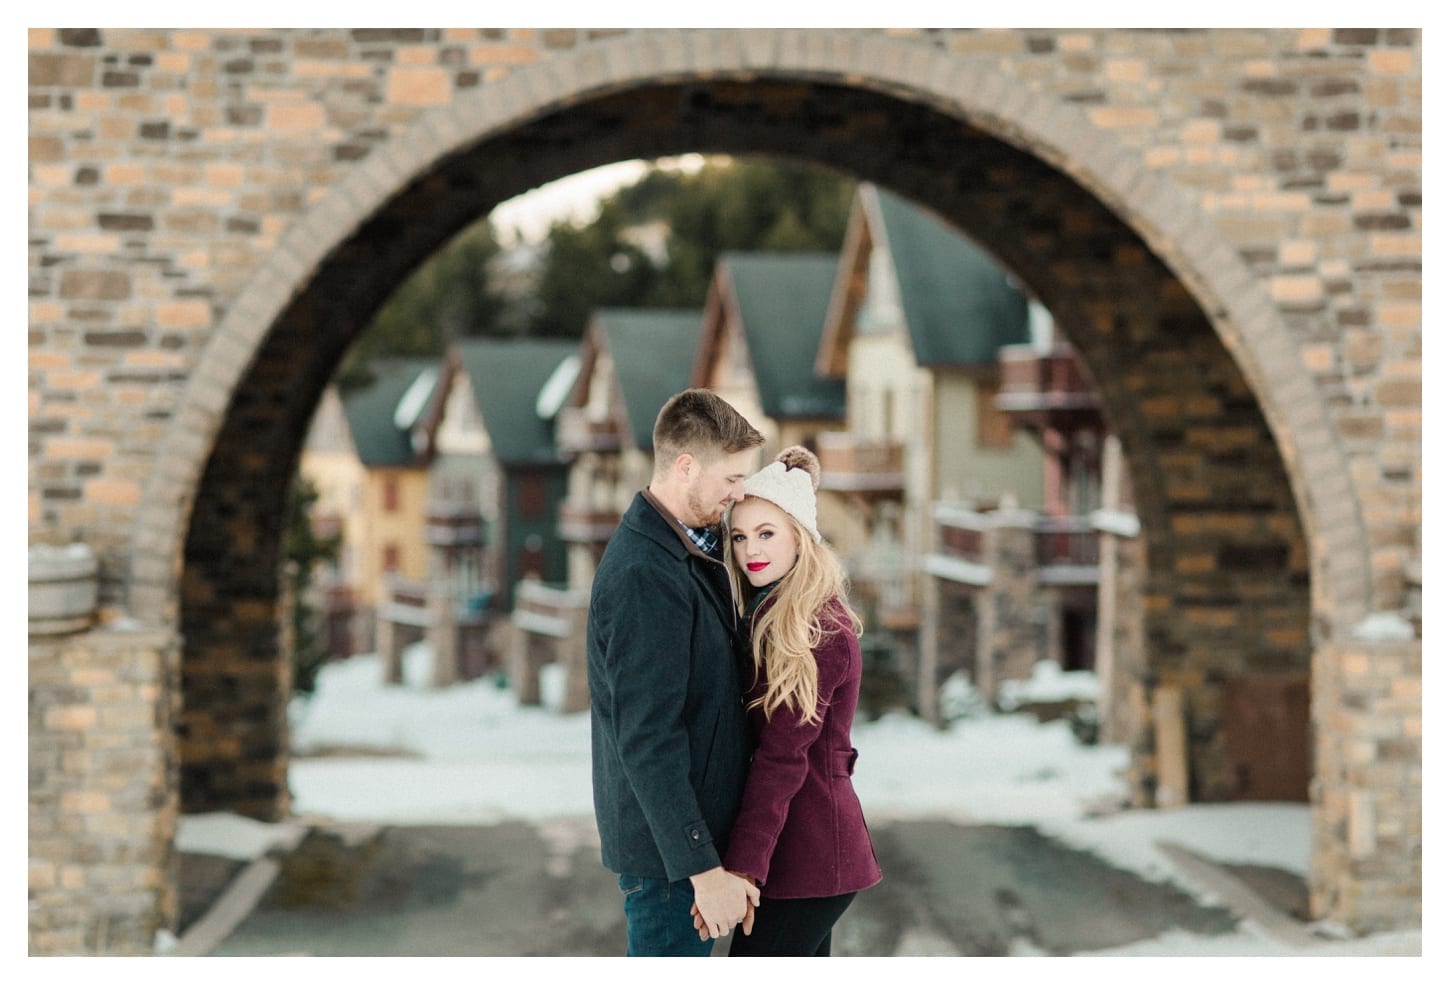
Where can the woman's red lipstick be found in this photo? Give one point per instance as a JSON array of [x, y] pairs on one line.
[[757, 565]]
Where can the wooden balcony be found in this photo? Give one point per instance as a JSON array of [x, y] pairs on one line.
[[1049, 391], [581, 523], [453, 525], [861, 465], [576, 433], [1067, 551]]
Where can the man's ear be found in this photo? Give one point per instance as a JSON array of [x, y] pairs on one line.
[[684, 463]]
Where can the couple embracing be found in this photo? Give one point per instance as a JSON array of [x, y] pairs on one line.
[[724, 669]]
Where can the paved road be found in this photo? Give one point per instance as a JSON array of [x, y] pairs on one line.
[[523, 889]]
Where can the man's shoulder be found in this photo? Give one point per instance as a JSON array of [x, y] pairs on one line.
[[642, 526], [641, 539]]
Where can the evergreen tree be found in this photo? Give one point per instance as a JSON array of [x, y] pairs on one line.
[[732, 204], [448, 297], [304, 551], [747, 204], [588, 267]]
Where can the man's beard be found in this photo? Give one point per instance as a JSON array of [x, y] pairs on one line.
[[706, 514]]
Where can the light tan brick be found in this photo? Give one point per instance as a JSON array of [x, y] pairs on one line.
[[70, 718], [1391, 61], [1296, 289], [110, 492], [295, 116], [184, 314], [501, 54], [419, 87], [1123, 117], [416, 55], [78, 448]]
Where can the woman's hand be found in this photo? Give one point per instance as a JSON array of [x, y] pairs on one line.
[[747, 924], [722, 899]]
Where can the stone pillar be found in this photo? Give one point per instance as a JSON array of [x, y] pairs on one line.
[[104, 798], [1366, 868], [1120, 635], [389, 642], [1009, 626], [928, 697], [443, 630], [526, 658], [575, 658]]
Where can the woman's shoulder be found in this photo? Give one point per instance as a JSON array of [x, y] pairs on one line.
[[837, 612], [838, 629]]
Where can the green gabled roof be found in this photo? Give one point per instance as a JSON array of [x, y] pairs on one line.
[[506, 376], [959, 306], [653, 350], [372, 411], [783, 299]]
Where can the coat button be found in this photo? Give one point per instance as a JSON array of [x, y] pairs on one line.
[[695, 833]]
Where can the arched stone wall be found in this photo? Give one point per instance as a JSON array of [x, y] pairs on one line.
[[1183, 238], [1245, 294]]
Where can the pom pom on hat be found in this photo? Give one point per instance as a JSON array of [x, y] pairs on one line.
[[799, 457], [790, 482]]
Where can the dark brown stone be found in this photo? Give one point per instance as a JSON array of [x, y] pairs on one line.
[[47, 69], [122, 222], [1270, 87], [1327, 88], [80, 37], [125, 338], [1382, 220], [1356, 35], [95, 285]]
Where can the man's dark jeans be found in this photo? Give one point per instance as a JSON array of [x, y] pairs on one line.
[[658, 921]]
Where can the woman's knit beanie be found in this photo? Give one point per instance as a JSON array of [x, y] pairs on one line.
[[790, 482]]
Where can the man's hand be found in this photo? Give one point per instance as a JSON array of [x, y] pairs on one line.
[[722, 900], [747, 925]]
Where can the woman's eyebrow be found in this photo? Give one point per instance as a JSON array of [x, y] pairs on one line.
[[759, 526]]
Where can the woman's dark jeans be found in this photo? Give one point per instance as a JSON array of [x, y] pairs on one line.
[[791, 928]]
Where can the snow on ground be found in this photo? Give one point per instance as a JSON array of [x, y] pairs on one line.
[[469, 754]]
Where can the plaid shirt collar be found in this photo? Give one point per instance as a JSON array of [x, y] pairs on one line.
[[706, 539]]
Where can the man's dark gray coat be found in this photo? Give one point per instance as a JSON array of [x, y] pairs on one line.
[[669, 729]]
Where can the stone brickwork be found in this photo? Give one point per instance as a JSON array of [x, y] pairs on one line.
[[1012, 614], [1226, 224], [102, 791], [1368, 826]]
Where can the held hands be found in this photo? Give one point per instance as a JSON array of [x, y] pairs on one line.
[[723, 899], [719, 905]]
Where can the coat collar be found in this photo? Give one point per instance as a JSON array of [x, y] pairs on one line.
[[648, 516]]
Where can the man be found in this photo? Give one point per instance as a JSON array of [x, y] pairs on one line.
[[669, 731]]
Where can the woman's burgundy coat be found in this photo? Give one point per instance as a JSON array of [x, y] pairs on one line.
[[800, 831]]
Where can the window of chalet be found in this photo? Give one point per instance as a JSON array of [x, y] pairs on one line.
[[532, 499], [994, 427]]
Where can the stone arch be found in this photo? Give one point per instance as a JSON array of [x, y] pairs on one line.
[[1243, 315], [907, 117]]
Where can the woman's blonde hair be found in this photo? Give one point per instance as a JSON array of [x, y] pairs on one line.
[[788, 626]]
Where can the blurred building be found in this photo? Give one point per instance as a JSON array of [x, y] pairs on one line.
[[367, 452], [916, 317]]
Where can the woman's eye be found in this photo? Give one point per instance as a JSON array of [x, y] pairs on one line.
[[766, 535]]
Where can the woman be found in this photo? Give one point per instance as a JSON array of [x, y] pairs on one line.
[[800, 834]]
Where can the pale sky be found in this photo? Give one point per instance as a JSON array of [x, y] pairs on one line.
[[576, 197]]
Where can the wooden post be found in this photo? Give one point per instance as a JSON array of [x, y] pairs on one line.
[[1170, 735]]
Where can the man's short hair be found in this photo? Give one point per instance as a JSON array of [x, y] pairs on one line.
[[701, 423]]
